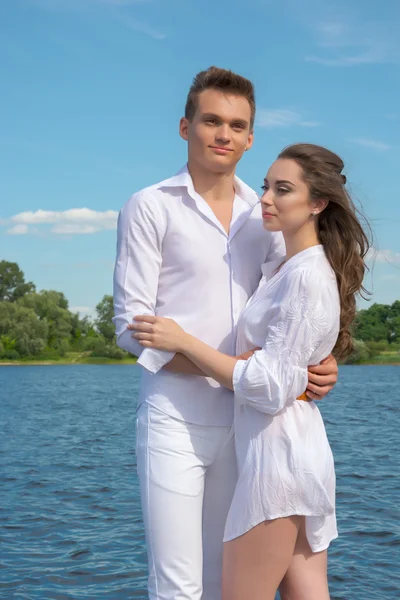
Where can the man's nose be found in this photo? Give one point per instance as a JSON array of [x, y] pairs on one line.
[[223, 134]]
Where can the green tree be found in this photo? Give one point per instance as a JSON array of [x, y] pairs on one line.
[[372, 324], [22, 333], [394, 322], [52, 308], [12, 282], [361, 353], [105, 313], [81, 329]]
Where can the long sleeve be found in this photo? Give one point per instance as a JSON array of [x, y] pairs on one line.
[[302, 316], [141, 228]]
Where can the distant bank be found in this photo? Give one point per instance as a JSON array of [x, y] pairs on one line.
[[71, 358], [384, 359]]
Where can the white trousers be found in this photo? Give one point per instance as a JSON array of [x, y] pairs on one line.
[[187, 477]]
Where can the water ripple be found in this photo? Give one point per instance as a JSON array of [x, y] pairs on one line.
[[70, 521]]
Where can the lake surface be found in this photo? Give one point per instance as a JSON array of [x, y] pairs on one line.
[[70, 521]]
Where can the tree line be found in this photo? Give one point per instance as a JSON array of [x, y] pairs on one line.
[[40, 325]]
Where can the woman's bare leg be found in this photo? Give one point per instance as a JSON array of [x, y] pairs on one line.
[[255, 563], [307, 575]]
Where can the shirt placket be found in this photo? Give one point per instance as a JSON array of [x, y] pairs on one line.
[[234, 299]]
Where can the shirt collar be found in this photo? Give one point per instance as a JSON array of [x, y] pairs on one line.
[[182, 179]]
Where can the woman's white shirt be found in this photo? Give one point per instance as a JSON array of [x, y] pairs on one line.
[[285, 464]]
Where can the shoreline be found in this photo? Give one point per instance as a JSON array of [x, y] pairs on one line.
[[66, 363], [127, 362]]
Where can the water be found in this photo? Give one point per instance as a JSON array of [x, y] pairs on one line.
[[70, 523]]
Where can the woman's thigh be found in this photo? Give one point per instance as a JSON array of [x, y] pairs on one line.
[[255, 563], [307, 575]]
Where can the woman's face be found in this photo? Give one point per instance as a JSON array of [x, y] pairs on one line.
[[286, 202]]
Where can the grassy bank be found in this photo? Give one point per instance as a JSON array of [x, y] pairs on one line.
[[85, 358], [382, 359], [70, 358]]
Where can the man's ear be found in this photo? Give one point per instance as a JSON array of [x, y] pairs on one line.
[[250, 140], [184, 128]]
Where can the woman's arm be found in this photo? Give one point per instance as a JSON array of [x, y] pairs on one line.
[[182, 364], [201, 359], [158, 332], [272, 375], [215, 364]]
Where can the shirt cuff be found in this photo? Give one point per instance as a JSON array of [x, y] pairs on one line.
[[154, 360], [236, 377]]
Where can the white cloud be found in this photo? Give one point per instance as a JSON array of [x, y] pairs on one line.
[[114, 10], [309, 124], [69, 222], [142, 27], [21, 229], [383, 256], [73, 229], [346, 44], [344, 61], [374, 144], [282, 117], [81, 4]]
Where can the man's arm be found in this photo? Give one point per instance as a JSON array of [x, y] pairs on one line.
[[321, 378], [141, 228]]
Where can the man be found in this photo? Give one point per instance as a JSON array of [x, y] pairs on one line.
[[191, 248]]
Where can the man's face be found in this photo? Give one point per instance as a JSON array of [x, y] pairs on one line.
[[219, 132]]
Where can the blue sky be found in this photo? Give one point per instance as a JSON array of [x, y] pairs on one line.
[[92, 93]]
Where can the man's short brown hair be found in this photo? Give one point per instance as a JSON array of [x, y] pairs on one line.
[[224, 81]]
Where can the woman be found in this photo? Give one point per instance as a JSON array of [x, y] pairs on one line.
[[282, 517]]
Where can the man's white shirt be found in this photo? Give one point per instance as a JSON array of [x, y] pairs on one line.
[[174, 259]]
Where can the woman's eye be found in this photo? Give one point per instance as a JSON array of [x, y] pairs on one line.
[[264, 188], [283, 190]]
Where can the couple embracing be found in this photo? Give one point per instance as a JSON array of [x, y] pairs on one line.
[[237, 307]]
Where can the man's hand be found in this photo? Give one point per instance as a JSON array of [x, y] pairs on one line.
[[322, 378]]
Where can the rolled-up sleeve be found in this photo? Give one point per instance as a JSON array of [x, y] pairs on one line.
[[141, 228], [277, 374]]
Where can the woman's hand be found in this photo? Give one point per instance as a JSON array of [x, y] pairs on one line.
[[158, 332]]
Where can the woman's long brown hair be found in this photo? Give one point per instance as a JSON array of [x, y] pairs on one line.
[[339, 229]]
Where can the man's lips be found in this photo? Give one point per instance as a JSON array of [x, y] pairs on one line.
[[221, 150]]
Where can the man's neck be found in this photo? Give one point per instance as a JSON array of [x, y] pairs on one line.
[[213, 187]]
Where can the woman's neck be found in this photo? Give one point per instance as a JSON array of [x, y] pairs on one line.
[[300, 240]]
